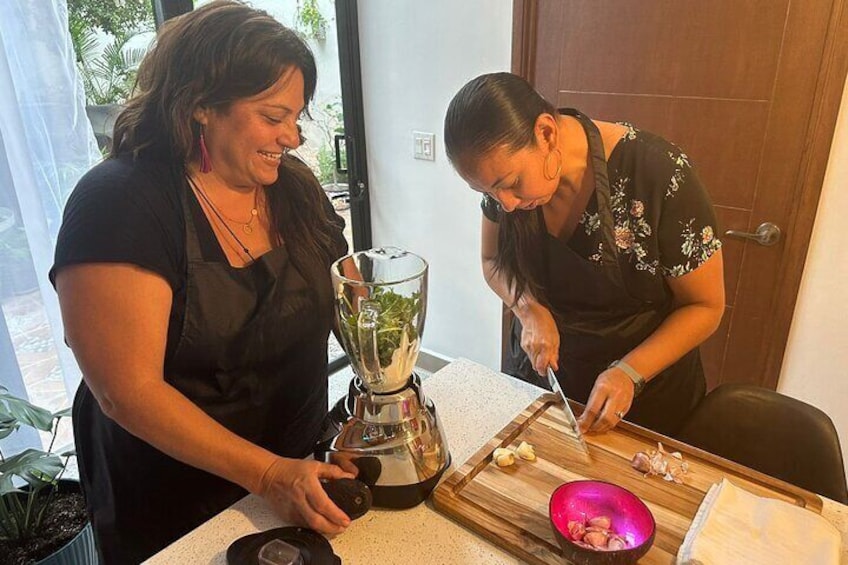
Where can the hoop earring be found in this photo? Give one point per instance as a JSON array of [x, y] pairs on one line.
[[558, 167], [205, 161]]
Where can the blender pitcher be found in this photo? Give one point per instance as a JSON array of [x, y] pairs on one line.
[[381, 303], [385, 424]]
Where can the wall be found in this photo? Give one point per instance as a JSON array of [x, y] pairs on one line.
[[815, 365], [415, 56]]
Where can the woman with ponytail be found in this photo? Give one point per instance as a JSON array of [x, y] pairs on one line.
[[601, 239], [192, 269]]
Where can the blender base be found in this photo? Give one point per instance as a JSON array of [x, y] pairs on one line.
[[405, 496], [394, 439]]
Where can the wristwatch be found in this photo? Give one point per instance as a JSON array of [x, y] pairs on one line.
[[638, 380]]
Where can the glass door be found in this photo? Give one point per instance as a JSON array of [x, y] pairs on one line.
[[335, 140]]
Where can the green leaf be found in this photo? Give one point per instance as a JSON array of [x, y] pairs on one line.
[[36, 467], [398, 315], [24, 412], [8, 424], [64, 413]]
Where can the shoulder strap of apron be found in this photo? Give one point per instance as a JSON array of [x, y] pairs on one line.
[[609, 258], [193, 250]]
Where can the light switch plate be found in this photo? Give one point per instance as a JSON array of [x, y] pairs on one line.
[[424, 145]]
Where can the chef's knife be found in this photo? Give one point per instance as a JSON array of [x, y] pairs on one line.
[[569, 415]]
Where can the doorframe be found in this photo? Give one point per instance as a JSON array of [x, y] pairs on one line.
[[350, 73], [818, 140], [167, 9]]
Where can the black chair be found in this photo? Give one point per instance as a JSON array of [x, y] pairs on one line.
[[772, 433]]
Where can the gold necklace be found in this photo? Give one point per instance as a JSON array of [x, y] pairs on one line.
[[247, 226], [220, 217]]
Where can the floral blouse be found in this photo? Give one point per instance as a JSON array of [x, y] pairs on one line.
[[664, 222]]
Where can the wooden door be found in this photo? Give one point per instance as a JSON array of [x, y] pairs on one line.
[[750, 90]]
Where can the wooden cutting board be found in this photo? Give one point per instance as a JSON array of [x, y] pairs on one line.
[[509, 505]]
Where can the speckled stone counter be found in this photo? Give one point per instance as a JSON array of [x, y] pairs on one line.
[[474, 403]]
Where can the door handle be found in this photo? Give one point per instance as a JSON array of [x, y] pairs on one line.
[[767, 234], [338, 140]]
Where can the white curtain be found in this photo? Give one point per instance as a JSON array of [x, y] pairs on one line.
[[46, 144]]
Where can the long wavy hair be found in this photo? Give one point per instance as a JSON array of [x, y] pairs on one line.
[[500, 110], [211, 57]]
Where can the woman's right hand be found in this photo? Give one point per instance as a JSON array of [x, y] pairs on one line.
[[293, 489], [539, 337]]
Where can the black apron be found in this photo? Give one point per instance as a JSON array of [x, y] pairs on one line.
[[253, 355], [599, 321]]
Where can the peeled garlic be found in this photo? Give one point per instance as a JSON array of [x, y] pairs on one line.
[[503, 457], [602, 522], [526, 451]]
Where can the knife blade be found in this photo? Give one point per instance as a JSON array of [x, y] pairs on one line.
[[569, 415]]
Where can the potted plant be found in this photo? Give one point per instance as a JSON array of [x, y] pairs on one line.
[[108, 72], [42, 516]]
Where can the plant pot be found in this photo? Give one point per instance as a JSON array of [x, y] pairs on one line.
[[102, 118], [80, 549]]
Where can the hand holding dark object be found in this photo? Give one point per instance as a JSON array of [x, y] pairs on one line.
[[608, 402], [293, 489], [351, 495], [539, 337]]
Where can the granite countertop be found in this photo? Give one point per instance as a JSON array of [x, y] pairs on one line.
[[474, 403]]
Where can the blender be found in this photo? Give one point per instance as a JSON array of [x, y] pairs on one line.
[[385, 425]]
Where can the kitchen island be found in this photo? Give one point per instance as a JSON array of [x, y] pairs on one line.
[[474, 403]]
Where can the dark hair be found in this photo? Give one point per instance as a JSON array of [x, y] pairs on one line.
[[211, 57], [500, 110]]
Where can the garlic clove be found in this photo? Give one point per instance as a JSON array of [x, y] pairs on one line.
[[595, 539], [602, 522], [526, 451], [503, 457], [641, 462], [616, 543], [577, 530]]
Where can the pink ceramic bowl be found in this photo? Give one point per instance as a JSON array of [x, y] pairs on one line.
[[629, 518]]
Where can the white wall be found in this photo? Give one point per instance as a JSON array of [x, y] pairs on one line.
[[815, 365], [415, 56]]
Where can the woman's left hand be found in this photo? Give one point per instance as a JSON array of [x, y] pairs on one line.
[[609, 401]]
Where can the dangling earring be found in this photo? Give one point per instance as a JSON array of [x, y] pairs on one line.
[[205, 161], [558, 167]]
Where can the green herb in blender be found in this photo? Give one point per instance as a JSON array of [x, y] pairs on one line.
[[398, 313]]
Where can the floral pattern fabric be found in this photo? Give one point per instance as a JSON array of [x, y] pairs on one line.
[[664, 222]]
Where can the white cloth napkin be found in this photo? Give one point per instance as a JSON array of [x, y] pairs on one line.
[[733, 526]]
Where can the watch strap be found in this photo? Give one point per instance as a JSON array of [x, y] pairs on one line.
[[638, 380]]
